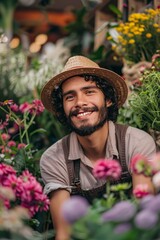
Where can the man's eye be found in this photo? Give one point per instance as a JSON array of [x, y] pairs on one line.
[[90, 91], [69, 97]]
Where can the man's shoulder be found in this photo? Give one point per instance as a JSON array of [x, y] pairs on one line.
[[54, 149], [138, 133]]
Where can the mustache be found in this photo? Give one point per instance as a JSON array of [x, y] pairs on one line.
[[84, 109]]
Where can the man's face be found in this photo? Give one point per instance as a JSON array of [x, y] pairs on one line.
[[84, 105]]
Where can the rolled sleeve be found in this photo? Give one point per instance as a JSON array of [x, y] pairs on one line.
[[139, 142], [49, 187], [54, 170]]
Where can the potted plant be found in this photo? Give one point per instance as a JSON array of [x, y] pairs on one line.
[[145, 101]]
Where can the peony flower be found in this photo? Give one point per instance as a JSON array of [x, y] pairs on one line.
[[141, 190], [28, 192], [14, 129], [107, 169], [21, 145], [25, 107], [11, 143], [37, 107], [5, 171], [14, 107], [121, 212], [74, 208], [140, 165], [146, 219], [5, 136]]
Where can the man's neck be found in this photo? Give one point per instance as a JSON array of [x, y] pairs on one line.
[[94, 145]]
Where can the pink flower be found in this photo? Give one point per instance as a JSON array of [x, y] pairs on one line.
[[14, 107], [14, 129], [11, 181], [25, 107], [31, 194], [140, 165], [28, 191], [37, 107], [3, 124], [7, 102], [107, 169], [5, 149], [11, 143], [5, 136], [141, 190], [21, 145], [5, 171]]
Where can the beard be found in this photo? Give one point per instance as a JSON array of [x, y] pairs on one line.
[[86, 130]]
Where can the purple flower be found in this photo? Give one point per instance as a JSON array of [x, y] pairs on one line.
[[146, 219], [153, 204], [121, 212], [74, 208], [146, 200], [122, 228]]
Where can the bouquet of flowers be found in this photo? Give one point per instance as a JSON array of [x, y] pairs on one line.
[[138, 39], [21, 192], [137, 217], [17, 134], [27, 191]]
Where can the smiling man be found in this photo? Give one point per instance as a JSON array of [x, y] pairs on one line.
[[86, 98]]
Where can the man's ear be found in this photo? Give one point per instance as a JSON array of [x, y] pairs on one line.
[[108, 103]]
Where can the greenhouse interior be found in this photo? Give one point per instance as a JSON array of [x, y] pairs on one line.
[[80, 119]]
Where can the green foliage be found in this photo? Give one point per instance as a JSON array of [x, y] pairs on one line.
[[128, 116], [145, 102], [115, 10]]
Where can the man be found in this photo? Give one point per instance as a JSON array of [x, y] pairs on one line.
[[86, 98]]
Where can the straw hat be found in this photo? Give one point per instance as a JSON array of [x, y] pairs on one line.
[[78, 65]]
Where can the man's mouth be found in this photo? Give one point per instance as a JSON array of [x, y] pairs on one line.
[[83, 112]]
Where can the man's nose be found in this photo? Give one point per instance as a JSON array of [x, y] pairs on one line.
[[81, 100]]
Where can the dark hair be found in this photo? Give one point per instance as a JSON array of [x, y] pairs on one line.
[[107, 89]]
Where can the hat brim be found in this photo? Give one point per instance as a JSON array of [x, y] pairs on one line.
[[112, 78]]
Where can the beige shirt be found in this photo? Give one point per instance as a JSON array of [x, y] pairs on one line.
[[54, 170]]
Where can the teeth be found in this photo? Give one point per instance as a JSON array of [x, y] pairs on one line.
[[83, 114]]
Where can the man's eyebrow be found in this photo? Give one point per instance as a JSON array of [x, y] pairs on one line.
[[83, 88], [68, 92]]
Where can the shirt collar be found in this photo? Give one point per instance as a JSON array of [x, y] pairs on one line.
[[76, 151]]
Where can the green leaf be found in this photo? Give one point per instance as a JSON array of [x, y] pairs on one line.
[[40, 130], [115, 10]]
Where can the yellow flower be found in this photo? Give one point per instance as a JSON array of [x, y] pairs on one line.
[[109, 38], [130, 35], [155, 25], [139, 37], [148, 35], [131, 41], [137, 33], [141, 29], [113, 47]]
